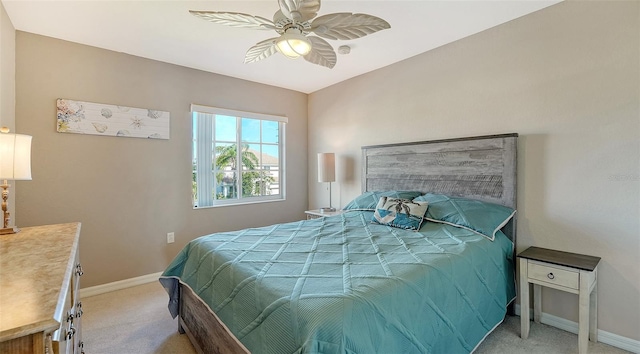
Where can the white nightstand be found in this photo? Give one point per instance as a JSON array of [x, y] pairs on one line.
[[318, 213], [570, 272]]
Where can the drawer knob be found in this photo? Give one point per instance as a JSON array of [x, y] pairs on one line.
[[551, 276], [79, 270], [79, 309], [71, 332]]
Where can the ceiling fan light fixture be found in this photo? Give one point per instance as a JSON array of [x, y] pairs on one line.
[[293, 44]]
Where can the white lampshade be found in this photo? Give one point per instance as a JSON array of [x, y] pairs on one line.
[[15, 156], [326, 167], [293, 44]]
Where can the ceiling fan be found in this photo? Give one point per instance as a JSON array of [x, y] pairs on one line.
[[294, 22]]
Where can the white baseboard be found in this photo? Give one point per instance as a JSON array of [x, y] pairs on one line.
[[612, 339], [118, 285]]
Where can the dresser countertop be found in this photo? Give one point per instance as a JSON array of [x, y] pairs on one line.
[[35, 267]]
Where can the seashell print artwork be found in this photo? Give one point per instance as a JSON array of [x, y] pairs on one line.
[[100, 128], [106, 112], [153, 114], [137, 122], [70, 111], [111, 120]]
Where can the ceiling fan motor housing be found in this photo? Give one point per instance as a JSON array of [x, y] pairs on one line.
[[283, 23]]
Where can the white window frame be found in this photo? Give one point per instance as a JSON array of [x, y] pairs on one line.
[[205, 178]]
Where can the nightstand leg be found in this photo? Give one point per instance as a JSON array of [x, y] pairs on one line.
[[537, 302], [593, 312], [524, 300], [583, 313]]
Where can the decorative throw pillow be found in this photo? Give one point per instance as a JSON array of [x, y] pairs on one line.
[[369, 200], [478, 216], [399, 212]]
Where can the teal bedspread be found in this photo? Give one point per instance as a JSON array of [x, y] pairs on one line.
[[344, 285]]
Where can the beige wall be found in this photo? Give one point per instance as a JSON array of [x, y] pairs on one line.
[[566, 79], [7, 70], [128, 193], [8, 88]]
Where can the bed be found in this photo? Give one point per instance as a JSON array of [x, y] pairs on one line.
[[345, 284]]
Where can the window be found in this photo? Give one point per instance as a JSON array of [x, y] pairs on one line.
[[219, 176]]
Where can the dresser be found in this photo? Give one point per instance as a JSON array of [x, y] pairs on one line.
[[40, 307]]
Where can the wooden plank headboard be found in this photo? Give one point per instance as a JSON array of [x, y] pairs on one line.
[[482, 167]]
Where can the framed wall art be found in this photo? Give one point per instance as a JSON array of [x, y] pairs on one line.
[[110, 120]]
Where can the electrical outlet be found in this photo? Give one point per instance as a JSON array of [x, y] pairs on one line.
[[170, 237]]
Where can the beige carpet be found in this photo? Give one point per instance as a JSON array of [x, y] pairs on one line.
[[136, 321]]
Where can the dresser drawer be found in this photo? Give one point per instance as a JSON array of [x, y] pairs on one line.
[[552, 275]]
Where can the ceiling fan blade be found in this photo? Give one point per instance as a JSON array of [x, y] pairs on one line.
[[321, 53], [300, 10], [261, 50], [235, 19], [347, 25]]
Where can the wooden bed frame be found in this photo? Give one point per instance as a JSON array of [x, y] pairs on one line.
[[482, 168]]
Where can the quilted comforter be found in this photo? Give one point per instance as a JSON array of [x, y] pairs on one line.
[[344, 285]]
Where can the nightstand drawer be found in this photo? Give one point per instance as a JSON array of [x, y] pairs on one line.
[[553, 275]]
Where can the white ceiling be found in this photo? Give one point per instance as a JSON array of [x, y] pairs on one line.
[[164, 30]]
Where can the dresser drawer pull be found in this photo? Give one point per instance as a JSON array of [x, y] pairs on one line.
[[79, 270], [71, 333], [551, 276], [79, 309]]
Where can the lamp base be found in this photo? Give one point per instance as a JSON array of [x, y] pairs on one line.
[[326, 210], [9, 230]]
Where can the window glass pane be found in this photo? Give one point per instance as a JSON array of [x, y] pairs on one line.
[[273, 188], [250, 184], [251, 130], [226, 185], [225, 128], [257, 183], [270, 156], [250, 156], [225, 156], [270, 132]]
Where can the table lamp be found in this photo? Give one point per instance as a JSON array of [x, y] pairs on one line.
[[15, 164], [327, 173]]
